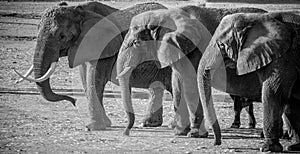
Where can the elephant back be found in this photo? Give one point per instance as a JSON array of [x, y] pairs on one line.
[[97, 7], [211, 17], [124, 16]]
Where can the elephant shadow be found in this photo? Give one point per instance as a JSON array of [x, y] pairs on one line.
[[241, 133], [141, 130], [244, 133], [135, 95], [228, 133]]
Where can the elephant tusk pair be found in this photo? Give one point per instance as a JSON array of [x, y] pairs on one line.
[[41, 79], [26, 74]]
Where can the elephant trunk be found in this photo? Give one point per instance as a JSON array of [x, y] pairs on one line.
[[127, 102], [43, 57], [124, 70], [204, 86]]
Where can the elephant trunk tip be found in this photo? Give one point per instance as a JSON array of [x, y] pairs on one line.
[[217, 131], [131, 119], [126, 132], [57, 97]]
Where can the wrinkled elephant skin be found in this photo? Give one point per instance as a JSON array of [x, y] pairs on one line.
[[77, 32], [248, 51], [173, 39]]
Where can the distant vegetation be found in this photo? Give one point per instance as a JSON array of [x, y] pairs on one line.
[[93, 0], [218, 1], [257, 1]]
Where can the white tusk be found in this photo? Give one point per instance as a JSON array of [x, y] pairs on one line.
[[44, 77], [30, 70], [125, 71]]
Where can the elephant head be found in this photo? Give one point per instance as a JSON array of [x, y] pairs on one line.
[[165, 36], [74, 31], [243, 44]]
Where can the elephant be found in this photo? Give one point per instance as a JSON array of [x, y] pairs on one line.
[[256, 55], [210, 17], [72, 31], [169, 37]]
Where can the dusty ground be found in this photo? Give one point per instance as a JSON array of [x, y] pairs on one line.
[[30, 124]]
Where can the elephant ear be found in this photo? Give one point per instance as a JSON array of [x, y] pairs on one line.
[[259, 44], [99, 38], [189, 35]]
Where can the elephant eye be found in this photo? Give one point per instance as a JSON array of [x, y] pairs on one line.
[[62, 37], [221, 45], [135, 28], [132, 43], [146, 32], [136, 43], [153, 27]]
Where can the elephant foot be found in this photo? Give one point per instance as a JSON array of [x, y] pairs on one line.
[[95, 127], [107, 122], [150, 122], [286, 135], [293, 147], [251, 125], [283, 135], [172, 124], [194, 133], [181, 132], [271, 145], [235, 125], [153, 119]]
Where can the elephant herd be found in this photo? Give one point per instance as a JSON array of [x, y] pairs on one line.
[[249, 53]]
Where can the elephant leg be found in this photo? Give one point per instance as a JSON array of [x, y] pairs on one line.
[[187, 76], [272, 113], [102, 76], [82, 71], [293, 116], [176, 95], [239, 104], [96, 122], [181, 123], [237, 107], [95, 84], [288, 132], [277, 98], [155, 110], [252, 121]]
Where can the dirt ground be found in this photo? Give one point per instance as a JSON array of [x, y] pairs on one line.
[[30, 124]]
